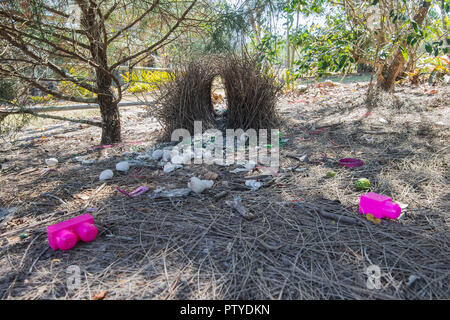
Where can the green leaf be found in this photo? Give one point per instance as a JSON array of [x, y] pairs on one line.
[[429, 48], [436, 52], [405, 53], [409, 39]]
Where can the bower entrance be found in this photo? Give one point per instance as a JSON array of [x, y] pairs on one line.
[[250, 91], [219, 102]]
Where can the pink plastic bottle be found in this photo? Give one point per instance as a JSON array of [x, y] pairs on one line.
[[379, 206], [65, 235]]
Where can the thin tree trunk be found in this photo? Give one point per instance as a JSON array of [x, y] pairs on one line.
[[294, 46], [287, 43], [255, 26], [390, 72], [444, 24]]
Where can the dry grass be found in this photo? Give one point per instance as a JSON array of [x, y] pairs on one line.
[[307, 240]]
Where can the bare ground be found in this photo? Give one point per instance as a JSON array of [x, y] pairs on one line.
[[306, 240]]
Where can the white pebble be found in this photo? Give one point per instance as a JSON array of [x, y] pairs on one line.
[[106, 174], [51, 162], [253, 184], [123, 166], [198, 186], [88, 162]]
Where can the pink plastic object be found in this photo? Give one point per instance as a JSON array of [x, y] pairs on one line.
[[350, 162], [65, 235], [135, 193], [379, 206]]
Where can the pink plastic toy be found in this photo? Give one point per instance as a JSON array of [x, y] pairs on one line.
[[379, 206], [135, 193], [350, 162], [65, 235]]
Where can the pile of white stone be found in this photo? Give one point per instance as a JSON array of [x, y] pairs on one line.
[[170, 158]]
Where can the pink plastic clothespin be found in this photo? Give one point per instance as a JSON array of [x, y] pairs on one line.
[[65, 235], [350, 162], [135, 193], [378, 205]]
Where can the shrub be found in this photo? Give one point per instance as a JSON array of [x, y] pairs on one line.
[[145, 81], [39, 99]]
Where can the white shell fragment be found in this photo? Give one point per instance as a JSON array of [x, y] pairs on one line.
[[144, 157], [88, 162], [157, 154], [173, 193], [166, 155], [51, 162], [123, 166], [177, 159], [169, 167], [106, 174], [250, 165], [198, 186], [253, 184]]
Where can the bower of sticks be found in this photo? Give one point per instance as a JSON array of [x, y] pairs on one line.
[[303, 237], [251, 93]]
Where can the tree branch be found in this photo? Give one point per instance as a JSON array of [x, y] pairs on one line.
[[151, 48], [45, 89], [154, 4], [4, 113]]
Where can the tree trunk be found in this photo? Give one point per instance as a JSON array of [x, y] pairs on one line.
[[444, 24], [108, 105], [255, 27], [110, 121], [109, 109], [412, 61], [287, 43], [390, 72]]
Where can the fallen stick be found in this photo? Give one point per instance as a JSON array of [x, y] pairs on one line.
[[329, 215]]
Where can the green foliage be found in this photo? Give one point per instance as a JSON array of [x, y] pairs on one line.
[[6, 90], [221, 34], [325, 50], [269, 48]]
